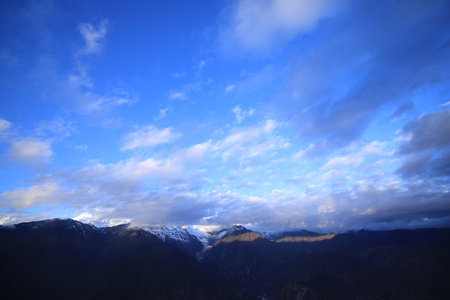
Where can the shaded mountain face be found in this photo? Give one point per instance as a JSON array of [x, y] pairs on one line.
[[275, 236], [305, 265], [65, 259]]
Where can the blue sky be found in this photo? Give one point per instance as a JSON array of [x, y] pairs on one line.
[[325, 115]]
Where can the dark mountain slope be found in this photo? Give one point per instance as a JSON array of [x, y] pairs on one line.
[[417, 262], [262, 268], [290, 234], [65, 259]]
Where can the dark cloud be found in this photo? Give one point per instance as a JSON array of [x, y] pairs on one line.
[[441, 165], [377, 53], [430, 131], [427, 146], [413, 166], [402, 110], [426, 165]]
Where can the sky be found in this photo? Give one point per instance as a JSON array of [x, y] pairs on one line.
[[273, 114]]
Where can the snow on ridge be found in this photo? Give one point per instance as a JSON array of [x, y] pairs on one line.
[[207, 235], [270, 235], [6, 220], [163, 233], [108, 223]]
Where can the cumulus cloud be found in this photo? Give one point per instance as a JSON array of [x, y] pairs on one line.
[[359, 206], [359, 152], [33, 196], [250, 141], [148, 136], [145, 191], [30, 151], [93, 36]]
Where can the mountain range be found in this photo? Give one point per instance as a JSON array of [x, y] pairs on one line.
[[68, 259]]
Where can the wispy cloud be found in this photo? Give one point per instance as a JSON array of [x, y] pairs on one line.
[[93, 36], [55, 129], [325, 89], [4, 126], [257, 26], [162, 113], [229, 88], [147, 137], [242, 114], [174, 95], [444, 104]]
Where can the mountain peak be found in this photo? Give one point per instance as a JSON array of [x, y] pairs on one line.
[[240, 236]]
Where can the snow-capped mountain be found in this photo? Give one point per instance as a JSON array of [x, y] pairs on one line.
[[193, 239], [214, 236], [164, 233], [108, 223], [88, 218], [179, 237], [185, 234]]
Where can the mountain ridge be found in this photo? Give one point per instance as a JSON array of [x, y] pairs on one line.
[[59, 257]]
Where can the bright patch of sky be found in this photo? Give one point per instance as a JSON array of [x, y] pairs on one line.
[[325, 115]]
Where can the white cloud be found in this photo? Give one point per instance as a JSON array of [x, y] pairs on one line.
[[250, 141], [4, 125], [177, 96], [341, 161], [35, 195], [178, 75], [93, 36], [202, 64], [258, 25], [81, 147], [97, 103], [148, 136], [77, 90], [332, 175], [193, 154], [56, 128], [444, 104], [302, 153], [30, 151], [359, 152], [229, 88], [162, 114], [242, 114]]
